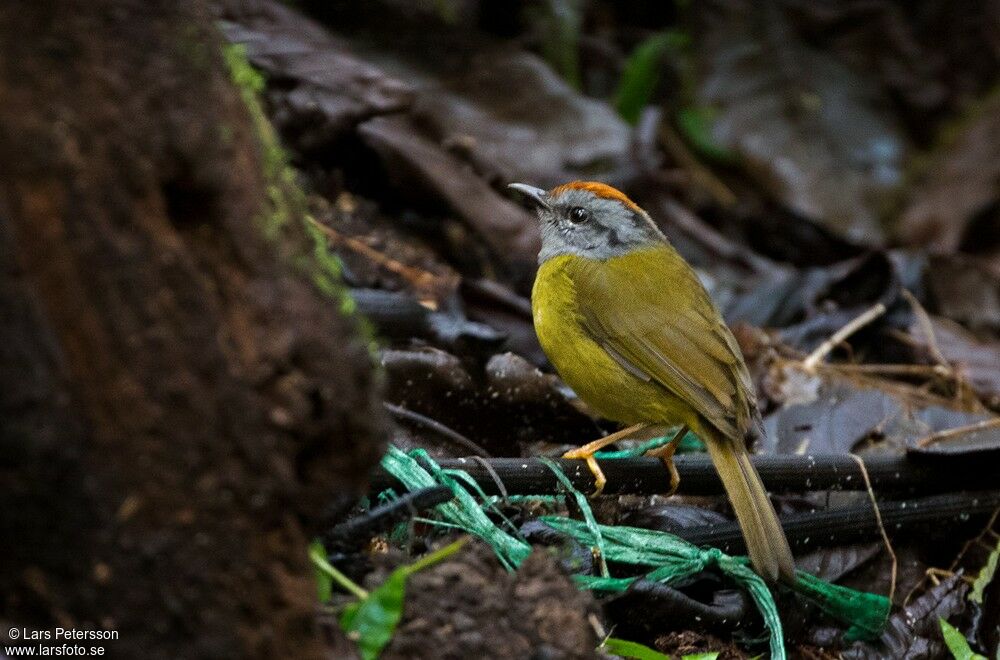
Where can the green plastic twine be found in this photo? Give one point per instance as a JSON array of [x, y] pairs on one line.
[[588, 514], [675, 559], [865, 613], [689, 443], [464, 513], [672, 558]]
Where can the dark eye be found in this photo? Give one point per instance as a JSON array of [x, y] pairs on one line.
[[578, 214]]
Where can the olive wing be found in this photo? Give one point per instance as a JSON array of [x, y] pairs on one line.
[[651, 314]]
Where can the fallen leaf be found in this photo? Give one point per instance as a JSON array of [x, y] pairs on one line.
[[816, 134], [319, 90], [421, 171], [533, 128], [913, 632], [977, 361], [966, 289]]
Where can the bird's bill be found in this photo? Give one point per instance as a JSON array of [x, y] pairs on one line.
[[537, 195]]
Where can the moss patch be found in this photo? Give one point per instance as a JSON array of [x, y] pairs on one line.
[[286, 202]]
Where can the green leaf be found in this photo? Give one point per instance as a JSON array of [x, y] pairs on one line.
[[711, 655], [642, 73], [695, 124], [627, 649], [372, 621], [957, 643], [986, 575]]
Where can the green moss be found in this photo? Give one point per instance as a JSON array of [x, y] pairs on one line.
[[286, 202]]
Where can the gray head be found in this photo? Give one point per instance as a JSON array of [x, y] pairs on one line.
[[590, 220]]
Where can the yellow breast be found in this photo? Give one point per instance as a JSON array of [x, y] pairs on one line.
[[601, 382]]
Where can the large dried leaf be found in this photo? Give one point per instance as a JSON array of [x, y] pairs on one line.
[[319, 89], [516, 120], [814, 133], [977, 361], [913, 633], [966, 289], [831, 564], [831, 416], [507, 403], [421, 170]]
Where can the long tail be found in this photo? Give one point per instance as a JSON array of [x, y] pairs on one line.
[[766, 542]]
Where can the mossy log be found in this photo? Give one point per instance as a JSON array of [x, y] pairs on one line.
[[181, 391]]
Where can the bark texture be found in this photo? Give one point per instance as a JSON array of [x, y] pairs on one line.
[[177, 398]]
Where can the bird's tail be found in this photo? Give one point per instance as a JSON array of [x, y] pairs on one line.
[[766, 542]]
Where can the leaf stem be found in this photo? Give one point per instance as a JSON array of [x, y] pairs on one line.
[[345, 582], [436, 556]]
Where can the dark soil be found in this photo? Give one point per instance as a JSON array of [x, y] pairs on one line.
[[470, 607], [171, 386]]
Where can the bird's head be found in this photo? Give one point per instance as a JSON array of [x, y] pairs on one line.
[[589, 219]]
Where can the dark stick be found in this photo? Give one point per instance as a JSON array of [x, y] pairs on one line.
[[358, 530], [781, 473], [436, 426], [855, 523]]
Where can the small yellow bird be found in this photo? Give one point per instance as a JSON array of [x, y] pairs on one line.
[[628, 325]]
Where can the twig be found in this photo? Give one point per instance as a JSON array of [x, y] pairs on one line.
[[356, 531], [881, 526], [498, 293], [977, 540], [436, 426], [421, 280], [897, 369], [958, 431], [813, 359]]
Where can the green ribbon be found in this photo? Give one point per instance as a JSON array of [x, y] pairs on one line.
[[671, 558]]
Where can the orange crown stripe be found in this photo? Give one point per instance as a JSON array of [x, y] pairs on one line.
[[602, 190]]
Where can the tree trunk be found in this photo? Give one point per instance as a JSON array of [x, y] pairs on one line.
[[177, 398]]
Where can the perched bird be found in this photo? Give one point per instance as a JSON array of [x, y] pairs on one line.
[[628, 325]]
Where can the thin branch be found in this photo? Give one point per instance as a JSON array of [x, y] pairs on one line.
[[813, 359], [420, 280], [436, 426], [951, 434], [881, 526]]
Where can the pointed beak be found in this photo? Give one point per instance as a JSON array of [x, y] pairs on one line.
[[537, 195]]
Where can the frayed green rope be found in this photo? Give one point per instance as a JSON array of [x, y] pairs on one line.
[[464, 513], [672, 557], [586, 511], [689, 443], [865, 613], [675, 559]]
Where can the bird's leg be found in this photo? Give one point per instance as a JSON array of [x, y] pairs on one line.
[[587, 452], [666, 454]]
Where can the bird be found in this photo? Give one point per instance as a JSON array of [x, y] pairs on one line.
[[628, 325]]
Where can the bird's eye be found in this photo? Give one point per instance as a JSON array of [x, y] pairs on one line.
[[578, 214]]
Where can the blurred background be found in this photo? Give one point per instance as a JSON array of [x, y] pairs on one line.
[[217, 217], [804, 156]]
